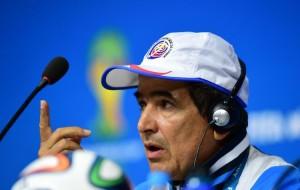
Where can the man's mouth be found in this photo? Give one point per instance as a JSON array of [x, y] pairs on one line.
[[154, 151]]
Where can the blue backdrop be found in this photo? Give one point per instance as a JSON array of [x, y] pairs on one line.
[[95, 34]]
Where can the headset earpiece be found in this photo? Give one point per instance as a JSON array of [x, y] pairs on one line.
[[220, 115], [227, 114]]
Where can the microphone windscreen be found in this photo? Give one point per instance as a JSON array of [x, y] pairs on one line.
[[55, 70]]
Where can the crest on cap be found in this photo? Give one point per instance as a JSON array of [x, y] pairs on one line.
[[160, 49]]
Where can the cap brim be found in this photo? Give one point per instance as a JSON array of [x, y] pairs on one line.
[[120, 77], [126, 76]]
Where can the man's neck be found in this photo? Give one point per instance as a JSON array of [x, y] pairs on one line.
[[225, 160]]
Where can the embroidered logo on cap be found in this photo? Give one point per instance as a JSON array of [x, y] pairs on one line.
[[160, 48]]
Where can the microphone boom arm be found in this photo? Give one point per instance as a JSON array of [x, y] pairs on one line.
[[42, 84]]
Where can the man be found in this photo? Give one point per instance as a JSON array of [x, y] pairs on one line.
[[192, 91]]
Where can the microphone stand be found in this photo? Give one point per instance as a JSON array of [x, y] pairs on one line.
[[42, 84]]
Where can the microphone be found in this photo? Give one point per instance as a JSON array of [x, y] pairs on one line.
[[156, 180], [54, 71], [198, 180]]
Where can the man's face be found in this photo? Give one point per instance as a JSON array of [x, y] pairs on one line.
[[170, 126]]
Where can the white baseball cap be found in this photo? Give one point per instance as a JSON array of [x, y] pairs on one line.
[[184, 56]]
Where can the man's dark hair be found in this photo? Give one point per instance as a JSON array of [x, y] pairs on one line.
[[205, 98]]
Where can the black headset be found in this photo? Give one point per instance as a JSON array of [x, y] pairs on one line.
[[228, 113]]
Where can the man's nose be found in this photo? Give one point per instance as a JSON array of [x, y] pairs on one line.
[[147, 122]]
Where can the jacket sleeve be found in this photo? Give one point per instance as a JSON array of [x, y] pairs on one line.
[[279, 178]]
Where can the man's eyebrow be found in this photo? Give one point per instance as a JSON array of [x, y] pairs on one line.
[[163, 93]]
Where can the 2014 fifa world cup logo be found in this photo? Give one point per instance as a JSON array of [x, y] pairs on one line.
[[107, 49]]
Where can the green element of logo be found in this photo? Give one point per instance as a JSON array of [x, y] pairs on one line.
[[108, 48], [98, 180]]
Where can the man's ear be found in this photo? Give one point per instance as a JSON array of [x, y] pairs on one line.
[[220, 136]]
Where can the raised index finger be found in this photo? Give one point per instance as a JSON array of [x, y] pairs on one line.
[[45, 129]]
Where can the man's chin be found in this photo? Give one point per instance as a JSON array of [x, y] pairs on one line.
[[158, 166]]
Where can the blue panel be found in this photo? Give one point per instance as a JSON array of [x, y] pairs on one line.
[[96, 34]]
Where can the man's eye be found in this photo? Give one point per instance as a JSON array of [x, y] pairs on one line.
[[166, 104], [142, 104]]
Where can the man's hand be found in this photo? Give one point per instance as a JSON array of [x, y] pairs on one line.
[[62, 139]]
